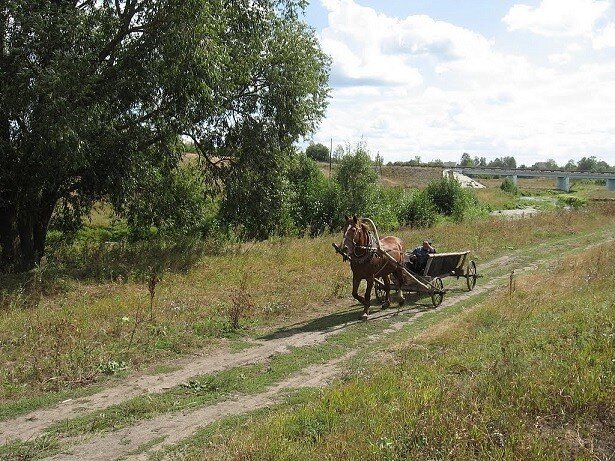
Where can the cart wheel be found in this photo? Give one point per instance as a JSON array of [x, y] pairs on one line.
[[437, 294], [471, 275]]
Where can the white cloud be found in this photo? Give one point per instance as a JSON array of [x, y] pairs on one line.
[[557, 17], [420, 86], [560, 58], [574, 47], [605, 38]]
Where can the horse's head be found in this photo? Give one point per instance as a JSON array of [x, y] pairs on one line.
[[356, 234]]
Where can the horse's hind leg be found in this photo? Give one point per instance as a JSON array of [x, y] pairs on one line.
[[387, 291], [399, 275]]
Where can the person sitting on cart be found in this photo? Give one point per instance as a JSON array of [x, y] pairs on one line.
[[418, 258]]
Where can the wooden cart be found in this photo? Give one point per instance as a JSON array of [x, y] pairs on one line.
[[429, 280]]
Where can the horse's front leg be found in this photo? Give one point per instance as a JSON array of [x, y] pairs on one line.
[[355, 289], [368, 293]]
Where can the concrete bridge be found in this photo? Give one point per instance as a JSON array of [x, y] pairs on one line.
[[562, 178]]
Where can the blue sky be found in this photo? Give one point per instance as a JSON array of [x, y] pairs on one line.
[[532, 78]]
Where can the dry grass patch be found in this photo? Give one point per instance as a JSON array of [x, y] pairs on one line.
[[72, 331], [522, 377]]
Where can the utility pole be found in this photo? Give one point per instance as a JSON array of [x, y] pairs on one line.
[[330, 156]]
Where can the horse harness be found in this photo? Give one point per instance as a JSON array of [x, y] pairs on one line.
[[370, 251]]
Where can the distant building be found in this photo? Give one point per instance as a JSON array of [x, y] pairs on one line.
[[449, 164]]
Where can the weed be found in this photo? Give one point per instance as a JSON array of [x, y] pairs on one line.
[[509, 187], [112, 367], [151, 287], [241, 303]]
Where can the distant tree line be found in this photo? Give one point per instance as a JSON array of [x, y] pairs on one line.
[[590, 164]]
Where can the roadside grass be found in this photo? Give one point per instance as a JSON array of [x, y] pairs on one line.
[[527, 375], [199, 391], [496, 199], [55, 340], [250, 379]]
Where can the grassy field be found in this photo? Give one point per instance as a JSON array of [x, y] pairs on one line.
[[401, 176], [526, 374], [62, 332]]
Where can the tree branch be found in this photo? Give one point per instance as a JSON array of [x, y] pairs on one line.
[[201, 150]]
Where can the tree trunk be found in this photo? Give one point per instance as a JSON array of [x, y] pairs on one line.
[[8, 238], [27, 256], [23, 236]]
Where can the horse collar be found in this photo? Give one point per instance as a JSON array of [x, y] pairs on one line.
[[371, 250]]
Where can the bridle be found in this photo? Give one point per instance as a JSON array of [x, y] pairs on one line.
[[359, 257]]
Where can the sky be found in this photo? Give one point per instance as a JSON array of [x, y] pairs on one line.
[[533, 78]]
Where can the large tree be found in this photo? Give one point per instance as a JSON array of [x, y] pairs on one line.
[[93, 93], [318, 152]]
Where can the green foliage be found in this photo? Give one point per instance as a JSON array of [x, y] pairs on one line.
[[419, 210], [112, 367], [504, 162], [571, 200], [357, 179], [466, 160], [318, 152], [314, 200], [450, 199], [385, 206], [256, 199], [173, 202], [509, 187], [594, 165], [94, 93]]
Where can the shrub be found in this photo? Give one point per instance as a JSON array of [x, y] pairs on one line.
[[450, 198], [571, 200], [509, 187], [168, 202], [256, 198], [384, 207], [419, 210], [318, 152], [357, 180], [314, 202]]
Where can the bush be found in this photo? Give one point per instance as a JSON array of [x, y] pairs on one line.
[[314, 200], [419, 210], [256, 198], [385, 206], [171, 202], [571, 200], [509, 187], [357, 178], [318, 152], [450, 198]]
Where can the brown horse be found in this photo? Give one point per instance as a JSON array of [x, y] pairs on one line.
[[366, 262]]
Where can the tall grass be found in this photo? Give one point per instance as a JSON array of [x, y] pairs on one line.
[[59, 330], [527, 376]]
